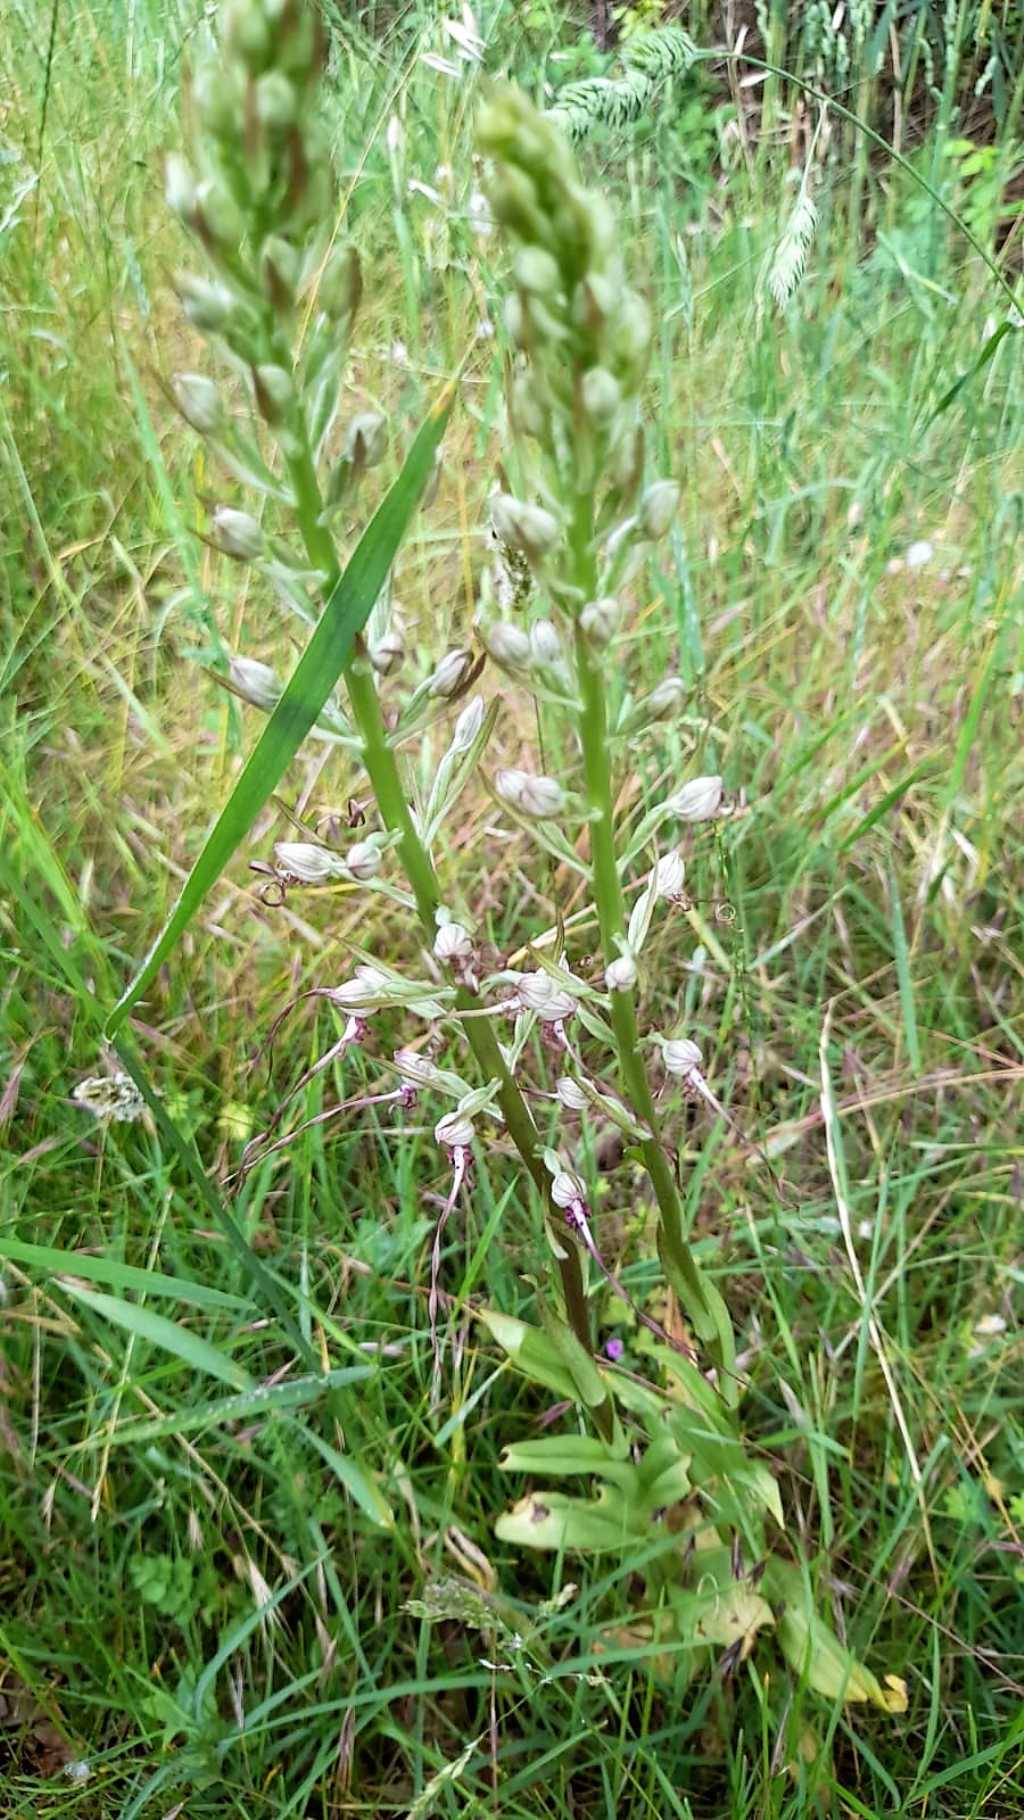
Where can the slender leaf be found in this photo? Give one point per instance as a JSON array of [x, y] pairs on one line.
[[346, 612], [356, 1481], [261, 1400], [116, 1274], [159, 1331]]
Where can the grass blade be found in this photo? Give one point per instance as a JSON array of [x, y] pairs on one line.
[[115, 1274], [346, 612], [159, 1331]]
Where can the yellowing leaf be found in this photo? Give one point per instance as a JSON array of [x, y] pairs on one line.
[[550, 1520], [815, 1653]]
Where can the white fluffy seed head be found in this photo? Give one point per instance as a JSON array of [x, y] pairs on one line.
[[697, 801], [529, 793]]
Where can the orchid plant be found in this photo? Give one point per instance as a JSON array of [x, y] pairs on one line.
[[531, 1049]]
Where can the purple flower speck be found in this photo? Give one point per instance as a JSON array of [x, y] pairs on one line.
[[614, 1349]]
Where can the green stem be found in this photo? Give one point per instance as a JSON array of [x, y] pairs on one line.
[[382, 769], [611, 914]]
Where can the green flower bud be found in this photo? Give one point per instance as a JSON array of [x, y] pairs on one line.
[[662, 703], [218, 221], [255, 682], [276, 102], [511, 130], [279, 267], [217, 101], [583, 227], [545, 644], [517, 321], [247, 33], [208, 306], [525, 527], [198, 401], [531, 795], [630, 335], [507, 644], [450, 674], [341, 286], [515, 204], [275, 393], [600, 620], [601, 395], [536, 271], [180, 188], [527, 407], [628, 461], [237, 534], [594, 301], [367, 439], [658, 508]]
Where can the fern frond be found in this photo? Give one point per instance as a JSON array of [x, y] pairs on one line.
[[790, 256], [650, 61]]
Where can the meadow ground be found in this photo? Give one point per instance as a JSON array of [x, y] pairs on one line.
[[196, 1618]]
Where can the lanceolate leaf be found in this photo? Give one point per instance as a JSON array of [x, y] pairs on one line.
[[815, 1653], [117, 1275], [159, 1331], [346, 612]]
